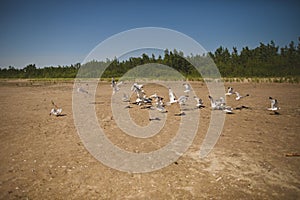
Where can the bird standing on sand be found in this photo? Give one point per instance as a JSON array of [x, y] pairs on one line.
[[274, 105], [229, 91], [115, 85]]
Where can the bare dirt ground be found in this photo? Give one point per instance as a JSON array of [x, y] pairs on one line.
[[42, 156]]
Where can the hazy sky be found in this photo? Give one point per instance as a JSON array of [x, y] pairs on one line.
[[64, 32]]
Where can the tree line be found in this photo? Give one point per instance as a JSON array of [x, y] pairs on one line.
[[266, 60]]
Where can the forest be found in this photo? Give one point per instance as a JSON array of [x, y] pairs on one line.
[[266, 60]]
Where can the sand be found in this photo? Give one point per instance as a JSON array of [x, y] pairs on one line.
[[43, 157]]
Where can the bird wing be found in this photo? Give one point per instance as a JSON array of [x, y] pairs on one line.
[[182, 99], [171, 95], [212, 102], [119, 83]]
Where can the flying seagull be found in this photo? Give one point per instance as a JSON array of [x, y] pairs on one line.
[[125, 98], [81, 90], [238, 96], [55, 111], [141, 97], [213, 103], [219, 104], [172, 96], [159, 105], [182, 99], [137, 86]]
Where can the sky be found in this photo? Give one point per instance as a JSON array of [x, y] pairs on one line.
[[52, 33]]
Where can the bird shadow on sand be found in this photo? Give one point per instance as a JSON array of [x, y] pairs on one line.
[[61, 115], [97, 102], [275, 113], [243, 108], [154, 119], [229, 113]]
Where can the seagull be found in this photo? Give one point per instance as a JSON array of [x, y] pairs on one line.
[[274, 105], [159, 103], [228, 110], [238, 96], [229, 91], [220, 101], [125, 98], [146, 99], [139, 92], [55, 111], [115, 85], [199, 102], [141, 97], [157, 98], [213, 103], [187, 88], [160, 107], [182, 99], [137, 86], [137, 89], [81, 90], [218, 104], [172, 96]]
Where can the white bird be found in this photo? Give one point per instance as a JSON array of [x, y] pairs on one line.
[[229, 91], [227, 109], [218, 104], [238, 96], [143, 100], [157, 98], [274, 104], [137, 86], [187, 87], [115, 85], [137, 89], [160, 106], [125, 98], [81, 90], [55, 111], [182, 100], [220, 101], [199, 102], [141, 97], [213, 103], [172, 96]]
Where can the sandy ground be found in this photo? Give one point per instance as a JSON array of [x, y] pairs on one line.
[[42, 156]]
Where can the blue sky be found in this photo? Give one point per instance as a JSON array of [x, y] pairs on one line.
[[62, 33]]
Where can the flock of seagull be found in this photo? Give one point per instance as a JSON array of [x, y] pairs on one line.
[[216, 104], [147, 101]]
